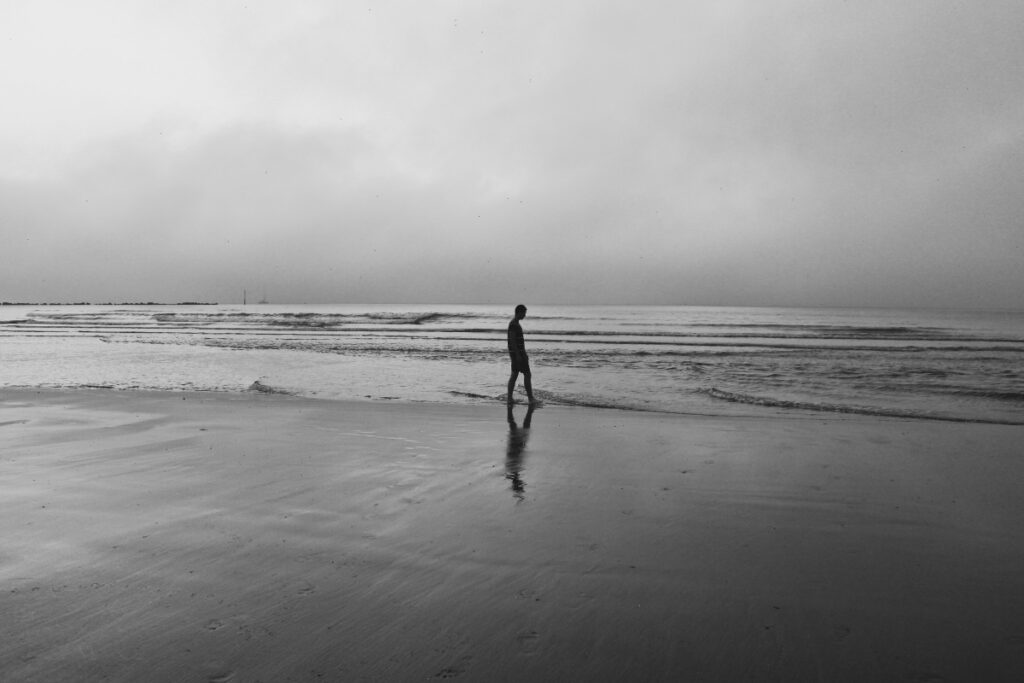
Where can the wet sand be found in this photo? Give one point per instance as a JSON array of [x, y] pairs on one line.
[[207, 537]]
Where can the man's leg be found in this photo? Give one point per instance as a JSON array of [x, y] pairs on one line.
[[512, 384], [529, 386]]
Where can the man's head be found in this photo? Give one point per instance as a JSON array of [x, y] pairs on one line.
[[520, 312]]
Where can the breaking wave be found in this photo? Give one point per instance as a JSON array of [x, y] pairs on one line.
[[914, 365]]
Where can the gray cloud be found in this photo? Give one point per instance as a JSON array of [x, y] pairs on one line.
[[735, 153]]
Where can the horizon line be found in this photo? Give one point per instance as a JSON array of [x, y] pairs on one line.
[[581, 305]]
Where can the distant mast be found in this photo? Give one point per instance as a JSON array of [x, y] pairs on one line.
[[243, 297]]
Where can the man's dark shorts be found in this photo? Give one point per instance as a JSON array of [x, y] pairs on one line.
[[523, 367]]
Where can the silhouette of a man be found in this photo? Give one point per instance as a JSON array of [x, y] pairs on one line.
[[517, 352]]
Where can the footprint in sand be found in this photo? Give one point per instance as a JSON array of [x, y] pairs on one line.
[[307, 589], [528, 594], [455, 670], [224, 677], [214, 624], [528, 642]]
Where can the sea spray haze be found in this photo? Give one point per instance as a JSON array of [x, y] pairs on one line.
[[946, 365]]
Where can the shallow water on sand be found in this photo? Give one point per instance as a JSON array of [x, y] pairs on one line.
[[947, 365]]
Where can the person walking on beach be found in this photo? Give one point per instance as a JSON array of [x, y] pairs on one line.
[[517, 352]]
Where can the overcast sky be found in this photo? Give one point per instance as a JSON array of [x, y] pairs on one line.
[[747, 152]]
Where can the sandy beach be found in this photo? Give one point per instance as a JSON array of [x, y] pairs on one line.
[[251, 537]]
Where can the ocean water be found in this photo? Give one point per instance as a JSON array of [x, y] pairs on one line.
[[932, 365]]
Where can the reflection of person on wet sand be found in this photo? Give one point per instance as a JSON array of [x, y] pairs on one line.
[[517, 437]]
